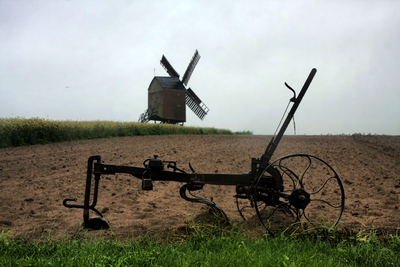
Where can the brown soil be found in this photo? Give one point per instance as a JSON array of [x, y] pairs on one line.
[[34, 180]]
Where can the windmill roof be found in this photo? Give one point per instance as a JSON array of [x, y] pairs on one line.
[[170, 82]]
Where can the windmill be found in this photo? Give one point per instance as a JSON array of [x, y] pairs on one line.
[[167, 96]]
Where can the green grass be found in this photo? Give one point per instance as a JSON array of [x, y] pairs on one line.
[[201, 248], [21, 131]]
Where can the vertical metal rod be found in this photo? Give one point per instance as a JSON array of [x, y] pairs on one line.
[[88, 184]]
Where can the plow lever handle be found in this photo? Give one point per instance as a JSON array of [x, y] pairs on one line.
[[293, 99]]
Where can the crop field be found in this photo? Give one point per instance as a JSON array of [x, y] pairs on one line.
[[21, 131]]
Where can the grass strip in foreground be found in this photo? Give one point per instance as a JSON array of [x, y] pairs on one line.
[[200, 249]]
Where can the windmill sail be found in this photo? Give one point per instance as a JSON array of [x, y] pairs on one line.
[[195, 104], [168, 67], [190, 68]]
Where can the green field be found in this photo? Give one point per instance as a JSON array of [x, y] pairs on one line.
[[21, 131]]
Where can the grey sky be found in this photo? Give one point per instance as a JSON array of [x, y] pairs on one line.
[[94, 60]]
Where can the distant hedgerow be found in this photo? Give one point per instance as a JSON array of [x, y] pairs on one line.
[[20, 131]]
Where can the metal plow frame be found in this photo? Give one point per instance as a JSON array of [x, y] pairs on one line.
[[269, 190]]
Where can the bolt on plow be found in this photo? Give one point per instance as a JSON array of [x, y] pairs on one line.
[[297, 188]]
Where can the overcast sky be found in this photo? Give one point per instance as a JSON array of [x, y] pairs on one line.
[[94, 60]]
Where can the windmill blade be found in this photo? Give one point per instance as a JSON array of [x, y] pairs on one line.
[[190, 68], [168, 67], [195, 104]]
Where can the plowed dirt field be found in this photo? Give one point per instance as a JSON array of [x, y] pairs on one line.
[[34, 180]]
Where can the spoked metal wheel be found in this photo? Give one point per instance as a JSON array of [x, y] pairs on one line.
[[246, 203], [312, 194]]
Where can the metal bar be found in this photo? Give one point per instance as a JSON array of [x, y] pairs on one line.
[[216, 179], [88, 183], [273, 144]]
